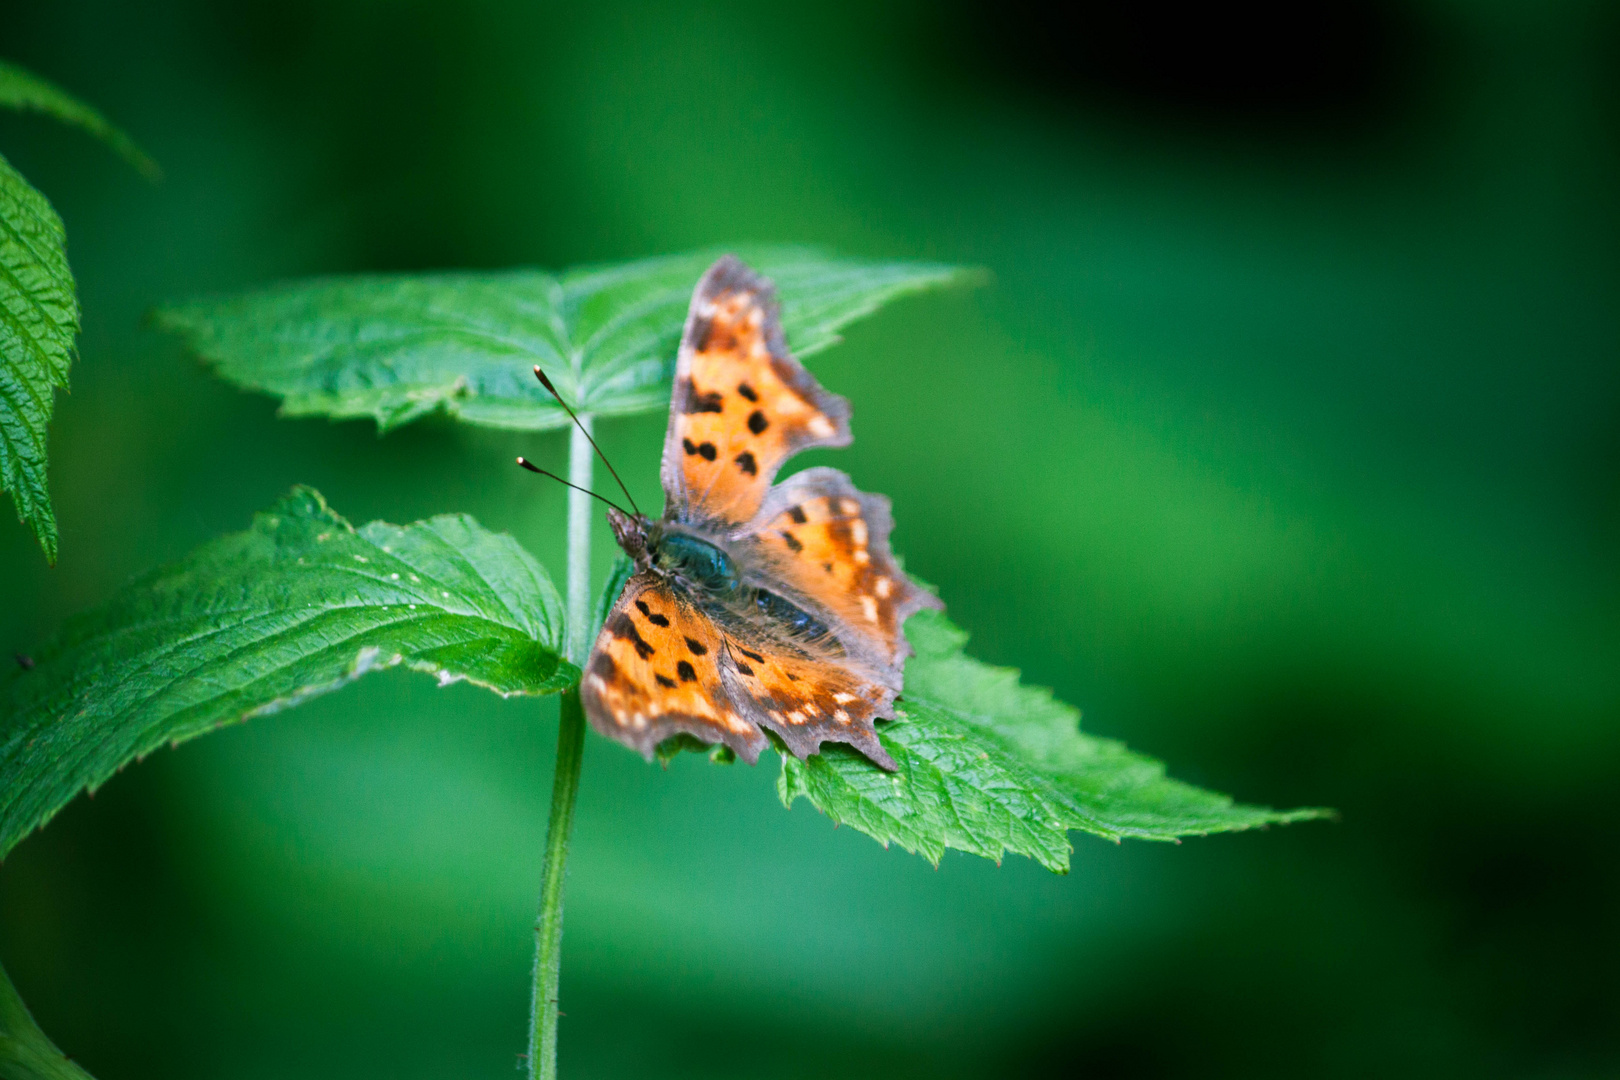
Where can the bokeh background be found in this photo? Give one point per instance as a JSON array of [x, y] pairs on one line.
[[1282, 441]]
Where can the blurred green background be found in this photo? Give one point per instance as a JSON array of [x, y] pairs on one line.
[[1283, 442]]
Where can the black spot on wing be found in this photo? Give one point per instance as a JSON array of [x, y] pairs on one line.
[[792, 542], [697, 647], [604, 666], [622, 628], [747, 391], [746, 462], [757, 422], [754, 656], [652, 616], [744, 668], [797, 514], [686, 672], [665, 681], [705, 450], [710, 402]]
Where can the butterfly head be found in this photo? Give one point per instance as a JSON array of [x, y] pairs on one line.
[[633, 534]]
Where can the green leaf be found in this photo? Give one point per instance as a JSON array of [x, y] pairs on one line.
[[39, 318], [23, 90], [395, 348], [299, 605], [25, 1052], [987, 765]]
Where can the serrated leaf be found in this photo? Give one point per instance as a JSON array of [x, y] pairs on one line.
[[22, 89], [395, 348], [25, 1052], [988, 766], [39, 319], [298, 605]]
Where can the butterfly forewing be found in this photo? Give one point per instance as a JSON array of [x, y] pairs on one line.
[[654, 672], [741, 404]]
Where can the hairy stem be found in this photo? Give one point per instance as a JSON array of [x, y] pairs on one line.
[[548, 926], [565, 782]]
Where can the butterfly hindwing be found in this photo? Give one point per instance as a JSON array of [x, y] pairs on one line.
[[741, 403], [808, 700], [829, 543]]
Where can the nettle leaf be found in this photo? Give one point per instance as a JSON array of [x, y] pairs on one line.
[[299, 605], [397, 347], [39, 319], [987, 765], [25, 1052], [23, 90], [39, 306]]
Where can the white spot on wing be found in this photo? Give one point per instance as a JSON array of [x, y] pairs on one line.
[[869, 608]]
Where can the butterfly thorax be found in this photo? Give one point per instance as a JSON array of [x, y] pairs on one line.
[[708, 575], [671, 553]]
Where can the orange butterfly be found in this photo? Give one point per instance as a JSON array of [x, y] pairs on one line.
[[752, 607]]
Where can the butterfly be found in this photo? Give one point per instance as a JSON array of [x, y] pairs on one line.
[[752, 607]]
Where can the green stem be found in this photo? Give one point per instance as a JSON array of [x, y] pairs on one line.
[[548, 926], [565, 781]]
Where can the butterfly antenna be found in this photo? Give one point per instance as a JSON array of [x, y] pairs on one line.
[[545, 382], [532, 467]]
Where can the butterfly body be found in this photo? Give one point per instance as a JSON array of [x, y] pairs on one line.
[[752, 607]]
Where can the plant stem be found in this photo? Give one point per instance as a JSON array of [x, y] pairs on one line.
[[565, 781], [581, 459], [548, 926]]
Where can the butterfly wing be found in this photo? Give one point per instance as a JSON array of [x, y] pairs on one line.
[[828, 544], [741, 405], [662, 666], [654, 672]]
